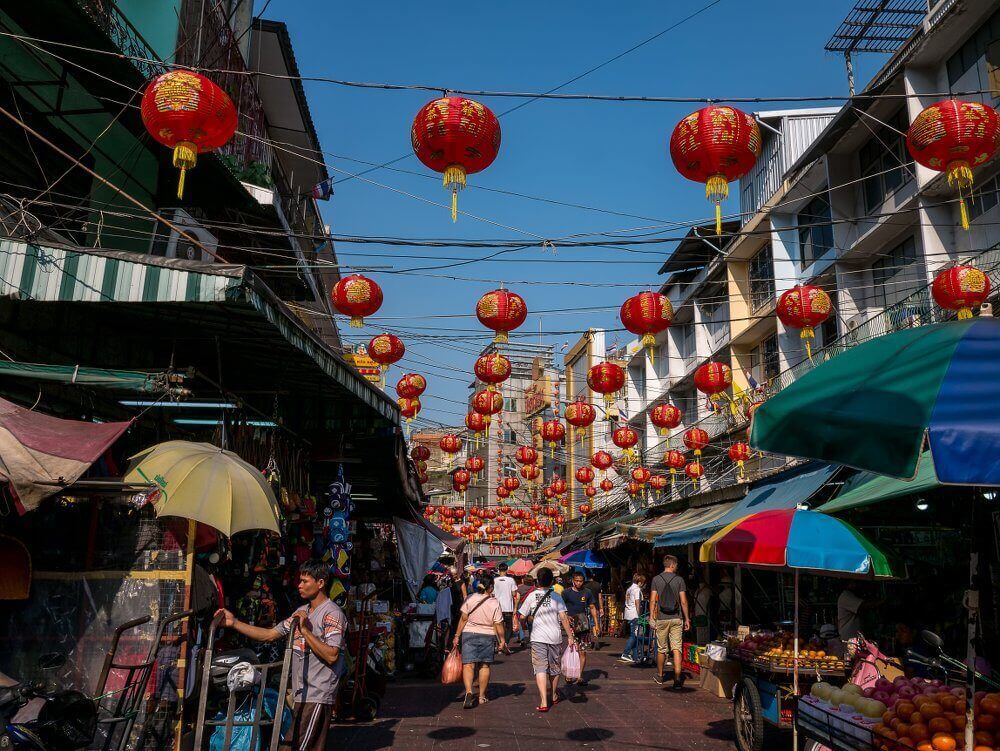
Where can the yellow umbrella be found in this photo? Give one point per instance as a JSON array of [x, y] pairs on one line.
[[203, 483]]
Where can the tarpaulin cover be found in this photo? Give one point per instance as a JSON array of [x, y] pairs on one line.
[[41, 454], [418, 551], [783, 491], [871, 488]]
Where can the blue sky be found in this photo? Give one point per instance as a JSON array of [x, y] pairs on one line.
[[608, 155]]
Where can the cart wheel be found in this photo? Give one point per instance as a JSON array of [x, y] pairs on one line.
[[748, 716], [365, 709]]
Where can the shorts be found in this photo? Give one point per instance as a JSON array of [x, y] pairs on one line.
[[669, 635], [546, 658], [310, 722], [478, 648]]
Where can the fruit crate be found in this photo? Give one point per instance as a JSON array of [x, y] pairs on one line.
[[839, 733], [783, 665]]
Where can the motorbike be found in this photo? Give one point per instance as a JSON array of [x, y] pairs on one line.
[[946, 667], [36, 717]]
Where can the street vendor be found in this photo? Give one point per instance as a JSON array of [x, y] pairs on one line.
[[317, 663]]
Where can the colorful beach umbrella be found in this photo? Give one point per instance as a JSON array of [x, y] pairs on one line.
[[520, 567], [797, 539], [583, 559], [872, 406]]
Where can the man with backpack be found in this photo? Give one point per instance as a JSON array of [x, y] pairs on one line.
[[545, 613], [668, 610]]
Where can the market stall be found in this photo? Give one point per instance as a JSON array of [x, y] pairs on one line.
[[774, 664]]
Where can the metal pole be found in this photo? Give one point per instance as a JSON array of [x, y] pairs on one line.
[[850, 71], [795, 664]]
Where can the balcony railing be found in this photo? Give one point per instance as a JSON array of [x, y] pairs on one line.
[[124, 36]]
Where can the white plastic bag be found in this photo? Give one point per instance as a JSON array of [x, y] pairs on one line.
[[571, 663]]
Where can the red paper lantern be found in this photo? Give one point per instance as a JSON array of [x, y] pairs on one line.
[[188, 113], [457, 137], [739, 452], [558, 485], [475, 422], [658, 482], [550, 493], [511, 483], [502, 311], [458, 487], [961, 288], [487, 403], [608, 379], [356, 296], [411, 385], [665, 417], [953, 136], [408, 408], [385, 349], [503, 492], [560, 519], [530, 472], [602, 460], [584, 475], [492, 369], [674, 459], [475, 464], [641, 475], [646, 315], [625, 438], [580, 414], [633, 488], [713, 378], [420, 453], [804, 307], [450, 443], [606, 485], [590, 491], [694, 470], [553, 431], [421, 468], [461, 476], [715, 145], [585, 507], [526, 455], [696, 439]]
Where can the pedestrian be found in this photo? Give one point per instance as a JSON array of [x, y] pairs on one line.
[[594, 585], [633, 605], [442, 613], [545, 613], [526, 586], [318, 661], [505, 590], [428, 593], [582, 614], [480, 628], [668, 609]]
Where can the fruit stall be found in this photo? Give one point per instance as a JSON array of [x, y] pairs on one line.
[[776, 664]]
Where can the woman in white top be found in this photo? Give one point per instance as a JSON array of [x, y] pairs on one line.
[[633, 603]]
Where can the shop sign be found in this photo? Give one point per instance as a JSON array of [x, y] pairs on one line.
[[537, 396], [367, 367]]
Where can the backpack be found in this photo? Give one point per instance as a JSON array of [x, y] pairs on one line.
[[668, 607]]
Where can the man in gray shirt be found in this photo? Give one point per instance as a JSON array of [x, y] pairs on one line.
[[317, 662]]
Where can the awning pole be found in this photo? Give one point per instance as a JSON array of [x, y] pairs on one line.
[[795, 663]]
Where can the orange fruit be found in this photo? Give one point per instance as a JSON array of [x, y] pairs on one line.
[[983, 748], [920, 699], [925, 746], [888, 716], [947, 702], [930, 709], [986, 722], [990, 704], [983, 738], [938, 725], [943, 742], [902, 729], [918, 732], [904, 709]]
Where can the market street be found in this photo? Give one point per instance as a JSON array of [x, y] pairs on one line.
[[621, 708]]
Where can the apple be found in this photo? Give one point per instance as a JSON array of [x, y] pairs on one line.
[[882, 684], [882, 696]]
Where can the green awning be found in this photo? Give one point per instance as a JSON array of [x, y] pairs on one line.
[[868, 487]]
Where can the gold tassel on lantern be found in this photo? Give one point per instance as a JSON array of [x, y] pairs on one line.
[[185, 158], [716, 191], [960, 177], [454, 178], [808, 333]]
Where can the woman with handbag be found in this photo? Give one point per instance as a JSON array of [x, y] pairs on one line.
[[480, 629]]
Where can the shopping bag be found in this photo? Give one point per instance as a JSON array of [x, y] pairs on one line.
[[571, 663], [451, 671]]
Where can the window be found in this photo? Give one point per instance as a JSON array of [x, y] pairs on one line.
[[967, 56], [764, 363], [760, 273], [510, 404], [637, 375], [815, 229], [882, 160], [686, 402], [897, 275], [685, 341], [828, 329], [984, 198], [509, 436]]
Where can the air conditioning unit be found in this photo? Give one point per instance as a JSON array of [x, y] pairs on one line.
[[168, 243]]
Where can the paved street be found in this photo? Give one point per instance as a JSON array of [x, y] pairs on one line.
[[621, 708]]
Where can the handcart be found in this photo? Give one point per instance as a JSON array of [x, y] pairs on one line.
[[259, 720], [120, 708], [363, 695], [646, 637]]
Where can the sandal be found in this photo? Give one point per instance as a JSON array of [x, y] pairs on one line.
[[470, 701], [483, 700], [542, 709]]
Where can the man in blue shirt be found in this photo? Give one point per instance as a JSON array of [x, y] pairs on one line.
[[580, 607]]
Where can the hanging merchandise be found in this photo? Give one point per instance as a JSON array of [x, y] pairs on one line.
[[739, 453], [411, 386], [502, 311], [696, 439], [386, 349], [954, 137], [356, 296], [716, 146], [713, 378], [646, 315], [608, 379], [492, 369], [961, 288], [188, 113], [804, 307], [665, 417], [553, 432], [408, 408], [580, 414], [457, 137], [625, 438]]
